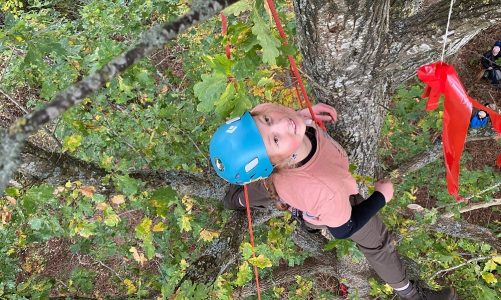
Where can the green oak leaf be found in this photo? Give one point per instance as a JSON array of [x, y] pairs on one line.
[[238, 8], [209, 90], [268, 42]]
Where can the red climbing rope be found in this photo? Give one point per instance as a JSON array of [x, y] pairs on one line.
[[299, 87], [292, 61], [247, 205]]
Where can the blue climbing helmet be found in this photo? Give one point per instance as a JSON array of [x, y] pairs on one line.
[[237, 151]]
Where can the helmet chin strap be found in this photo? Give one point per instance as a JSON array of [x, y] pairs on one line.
[[292, 159]]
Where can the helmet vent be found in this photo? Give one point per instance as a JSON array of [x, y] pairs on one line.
[[219, 164], [251, 165]]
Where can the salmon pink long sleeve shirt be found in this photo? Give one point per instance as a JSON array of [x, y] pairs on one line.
[[321, 188]]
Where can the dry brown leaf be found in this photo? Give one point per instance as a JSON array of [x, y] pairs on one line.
[[138, 256], [102, 206], [11, 200], [5, 215], [118, 199], [87, 190]]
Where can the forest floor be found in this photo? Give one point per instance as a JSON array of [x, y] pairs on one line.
[[483, 153]]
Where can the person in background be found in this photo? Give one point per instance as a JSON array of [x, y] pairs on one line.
[[304, 167], [479, 119], [492, 69]]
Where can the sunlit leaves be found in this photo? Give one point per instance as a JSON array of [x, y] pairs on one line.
[[239, 7], [260, 261], [72, 142], [244, 274], [144, 233], [83, 228], [110, 217], [489, 278], [131, 288], [208, 235]]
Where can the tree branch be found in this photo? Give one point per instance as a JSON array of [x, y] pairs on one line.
[[475, 206], [12, 142], [418, 39], [310, 267], [427, 157], [460, 265]]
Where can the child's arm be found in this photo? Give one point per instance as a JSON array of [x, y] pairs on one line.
[[258, 196], [363, 212], [360, 215], [322, 111]]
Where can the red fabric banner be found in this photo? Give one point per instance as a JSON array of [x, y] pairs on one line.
[[442, 79]]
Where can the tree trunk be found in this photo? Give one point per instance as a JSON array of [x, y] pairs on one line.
[[360, 50]]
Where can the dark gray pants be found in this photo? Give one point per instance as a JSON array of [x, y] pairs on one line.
[[376, 243]]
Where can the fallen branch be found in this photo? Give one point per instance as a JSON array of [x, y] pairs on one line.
[[475, 206], [460, 265], [427, 157], [310, 267]]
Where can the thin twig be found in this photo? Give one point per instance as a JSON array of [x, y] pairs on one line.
[[15, 102], [124, 141], [460, 265], [61, 282], [27, 112], [5, 67], [107, 267], [467, 199], [485, 190]]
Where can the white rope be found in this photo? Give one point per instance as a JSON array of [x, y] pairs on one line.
[[447, 30]]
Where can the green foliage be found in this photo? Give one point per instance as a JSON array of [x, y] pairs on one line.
[[343, 248], [409, 129], [82, 279], [435, 252], [234, 83], [158, 115]]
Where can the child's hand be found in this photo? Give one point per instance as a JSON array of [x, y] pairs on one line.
[[385, 187], [322, 112]]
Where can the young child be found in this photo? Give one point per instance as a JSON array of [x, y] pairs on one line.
[[309, 171]]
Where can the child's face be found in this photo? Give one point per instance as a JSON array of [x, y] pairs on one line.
[[281, 128]]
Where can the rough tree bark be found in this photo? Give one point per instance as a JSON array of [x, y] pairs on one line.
[[361, 50]]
